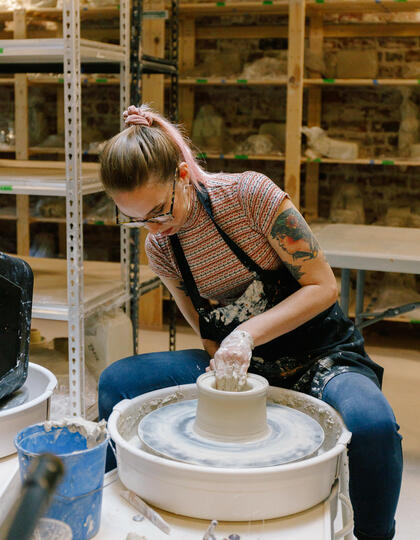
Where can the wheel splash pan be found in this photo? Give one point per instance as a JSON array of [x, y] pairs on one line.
[[222, 493]]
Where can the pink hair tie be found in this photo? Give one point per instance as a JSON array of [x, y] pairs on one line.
[[134, 116]]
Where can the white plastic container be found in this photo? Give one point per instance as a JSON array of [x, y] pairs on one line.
[[39, 386], [226, 494], [108, 338]]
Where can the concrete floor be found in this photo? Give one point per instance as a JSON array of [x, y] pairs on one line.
[[397, 349]]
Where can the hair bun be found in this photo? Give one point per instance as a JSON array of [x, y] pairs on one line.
[[137, 116]]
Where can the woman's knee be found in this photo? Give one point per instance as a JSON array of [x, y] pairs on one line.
[[365, 410]]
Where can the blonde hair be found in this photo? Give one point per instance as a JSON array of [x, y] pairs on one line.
[[139, 152]]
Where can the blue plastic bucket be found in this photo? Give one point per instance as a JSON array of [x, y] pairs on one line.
[[78, 498]]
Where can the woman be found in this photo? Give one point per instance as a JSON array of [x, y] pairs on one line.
[[238, 240]]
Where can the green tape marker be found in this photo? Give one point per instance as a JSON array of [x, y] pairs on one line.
[[6, 188], [1, 50], [99, 222], [201, 81], [220, 4], [267, 3], [242, 81], [387, 162], [241, 156], [319, 1], [328, 81], [203, 155], [415, 321], [400, 0], [101, 80], [60, 80]]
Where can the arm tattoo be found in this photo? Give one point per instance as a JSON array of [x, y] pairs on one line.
[[294, 270], [294, 235]]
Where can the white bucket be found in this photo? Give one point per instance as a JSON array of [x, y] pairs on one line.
[[39, 387]]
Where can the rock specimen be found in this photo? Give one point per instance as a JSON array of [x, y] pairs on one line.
[[259, 145], [278, 131], [408, 133], [357, 64], [319, 144], [347, 204], [208, 129], [266, 68]]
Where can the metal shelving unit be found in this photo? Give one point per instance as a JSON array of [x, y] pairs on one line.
[[71, 55], [146, 64]]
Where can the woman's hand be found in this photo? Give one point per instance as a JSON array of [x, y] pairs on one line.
[[210, 347], [231, 361]]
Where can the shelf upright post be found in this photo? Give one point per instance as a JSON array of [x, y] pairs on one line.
[[21, 137], [131, 237], [294, 98], [173, 113], [316, 45], [74, 205], [126, 249]]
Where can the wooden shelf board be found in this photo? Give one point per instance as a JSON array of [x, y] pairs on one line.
[[32, 164], [265, 157], [361, 82], [220, 81], [361, 6], [231, 8], [391, 161]]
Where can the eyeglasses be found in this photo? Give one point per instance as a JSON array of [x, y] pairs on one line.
[[122, 219]]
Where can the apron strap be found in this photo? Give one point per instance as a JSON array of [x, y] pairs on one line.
[[244, 258], [199, 303]]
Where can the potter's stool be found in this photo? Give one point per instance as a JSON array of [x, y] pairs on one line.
[[117, 517]]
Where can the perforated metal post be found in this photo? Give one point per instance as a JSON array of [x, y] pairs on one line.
[[126, 249], [74, 204], [135, 99], [173, 113], [173, 56]]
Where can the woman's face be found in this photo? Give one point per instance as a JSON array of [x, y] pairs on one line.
[[154, 199]]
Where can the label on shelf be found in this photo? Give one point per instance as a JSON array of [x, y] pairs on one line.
[[319, 1], [328, 81], [103, 80], [1, 50], [220, 4], [242, 81], [6, 188], [315, 160], [241, 156], [61, 80], [203, 155], [267, 3], [201, 81], [415, 321], [99, 222], [155, 14], [387, 162]]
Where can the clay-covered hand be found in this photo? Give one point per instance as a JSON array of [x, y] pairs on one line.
[[231, 361]]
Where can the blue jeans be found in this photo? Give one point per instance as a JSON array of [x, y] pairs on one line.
[[375, 457]]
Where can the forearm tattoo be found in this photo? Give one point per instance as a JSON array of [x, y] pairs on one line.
[[295, 237]]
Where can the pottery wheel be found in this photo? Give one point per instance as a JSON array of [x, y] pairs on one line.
[[168, 431]]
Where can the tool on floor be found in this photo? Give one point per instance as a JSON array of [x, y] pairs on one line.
[[208, 535], [43, 476], [145, 509]]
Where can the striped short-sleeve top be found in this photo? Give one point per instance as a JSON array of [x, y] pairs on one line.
[[244, 206]]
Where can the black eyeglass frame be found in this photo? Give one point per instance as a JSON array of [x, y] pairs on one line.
[[155, 219]]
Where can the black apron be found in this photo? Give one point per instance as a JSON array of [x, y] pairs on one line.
[[304, 359]]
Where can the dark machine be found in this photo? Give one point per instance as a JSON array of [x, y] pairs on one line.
[[16, 288]]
